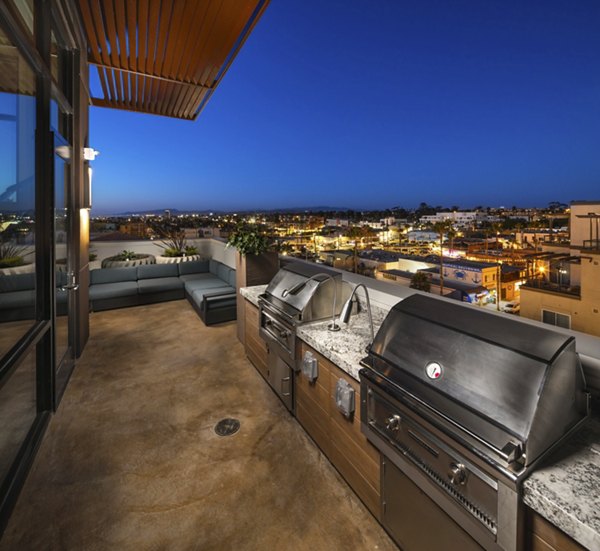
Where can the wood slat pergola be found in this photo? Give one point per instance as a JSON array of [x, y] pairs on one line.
[[164, 57]]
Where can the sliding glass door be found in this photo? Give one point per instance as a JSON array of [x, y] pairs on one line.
[[63, 269]]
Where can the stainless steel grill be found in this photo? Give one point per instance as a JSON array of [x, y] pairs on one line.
[[464, 404], [299, 293]]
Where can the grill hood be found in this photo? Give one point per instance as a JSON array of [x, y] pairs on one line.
[[510, 389], [314, 299]]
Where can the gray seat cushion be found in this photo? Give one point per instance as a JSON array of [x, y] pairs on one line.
[[157, 285], [152, 271], [194, 267], [213, 266], [197, 277], [17, 299], [112, 275], [206, 283], [113, 290], [198, 295]]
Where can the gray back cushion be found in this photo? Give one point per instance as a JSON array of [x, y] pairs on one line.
[[213, 264], [112, 275], [17, 282], [194, 267], [223, 272], [150, 271], [231, 278]]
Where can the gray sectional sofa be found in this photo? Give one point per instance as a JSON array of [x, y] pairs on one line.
[[207, 284], [17, 296]]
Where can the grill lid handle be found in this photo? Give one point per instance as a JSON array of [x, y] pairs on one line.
[[513, 453]]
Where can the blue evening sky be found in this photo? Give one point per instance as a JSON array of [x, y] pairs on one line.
[[377, 103]]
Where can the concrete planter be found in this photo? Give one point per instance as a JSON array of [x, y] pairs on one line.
[[178, 259], [145, 259], [24, 269]]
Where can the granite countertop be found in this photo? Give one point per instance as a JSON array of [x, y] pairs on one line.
[[346, 347], [252, 293], [565, 490]]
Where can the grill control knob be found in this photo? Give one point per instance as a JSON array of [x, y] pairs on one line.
[[393, 422], [457, 474]]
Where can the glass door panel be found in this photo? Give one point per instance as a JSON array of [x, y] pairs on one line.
[[62, 267], [17, 196]]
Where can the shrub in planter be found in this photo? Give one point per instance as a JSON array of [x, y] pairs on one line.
[[128, 255], [174, 244], [248, 239], [12, 255]]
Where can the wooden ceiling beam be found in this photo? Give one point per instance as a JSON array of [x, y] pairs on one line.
[[164, 56]]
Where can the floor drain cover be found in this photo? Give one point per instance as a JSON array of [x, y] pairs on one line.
[[227, 427]]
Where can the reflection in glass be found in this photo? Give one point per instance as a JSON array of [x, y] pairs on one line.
[[17, 410], [25, 9], [17, 195], [61, 243]]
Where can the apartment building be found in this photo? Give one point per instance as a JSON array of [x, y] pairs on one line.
[[458, 218], [562, 286]]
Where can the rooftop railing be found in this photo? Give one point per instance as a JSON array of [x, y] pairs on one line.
[[544, 285]]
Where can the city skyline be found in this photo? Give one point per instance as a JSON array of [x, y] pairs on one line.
[[373, 106]]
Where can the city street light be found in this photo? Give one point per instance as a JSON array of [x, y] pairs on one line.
[[498, 285]]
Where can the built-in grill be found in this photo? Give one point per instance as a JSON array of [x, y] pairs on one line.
[[299, 293], [463, 404]]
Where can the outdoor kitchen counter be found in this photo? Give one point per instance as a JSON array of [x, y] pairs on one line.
[[346, 347], [252, 293], [566, 489]]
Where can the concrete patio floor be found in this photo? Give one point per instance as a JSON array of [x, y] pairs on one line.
[[131, 461]]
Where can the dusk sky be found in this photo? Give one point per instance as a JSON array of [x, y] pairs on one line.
[[373, 104]]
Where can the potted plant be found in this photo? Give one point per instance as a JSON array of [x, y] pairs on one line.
[[126, 259], [176, 249], [12, 258], [256, 262]]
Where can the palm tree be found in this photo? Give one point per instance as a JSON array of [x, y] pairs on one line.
[[496, 227], [442, 228], [451, 234], [358, 234]]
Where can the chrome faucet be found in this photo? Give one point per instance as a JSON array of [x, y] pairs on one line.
[[347, 311], [333, 326]]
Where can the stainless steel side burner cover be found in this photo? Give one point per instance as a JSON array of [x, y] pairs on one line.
[[314, 301]]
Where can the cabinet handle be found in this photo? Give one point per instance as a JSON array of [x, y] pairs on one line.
[[284, 380]]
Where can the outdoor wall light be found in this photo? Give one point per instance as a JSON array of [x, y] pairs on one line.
[[89, 154]]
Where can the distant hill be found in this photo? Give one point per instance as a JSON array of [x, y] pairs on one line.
[[178, 212]]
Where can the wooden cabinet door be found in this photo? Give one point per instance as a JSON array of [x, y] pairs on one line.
[[338, 437], [544, 536], [354, 456], [312, 403], [256, 348]]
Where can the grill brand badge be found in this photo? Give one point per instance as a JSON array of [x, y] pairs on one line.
[[434, 370]]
